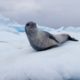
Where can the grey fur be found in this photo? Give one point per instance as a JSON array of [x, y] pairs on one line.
[[41, 40]]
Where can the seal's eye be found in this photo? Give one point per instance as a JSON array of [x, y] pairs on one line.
[[27, 24]]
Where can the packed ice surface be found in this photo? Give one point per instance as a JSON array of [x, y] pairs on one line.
[[19, 61]]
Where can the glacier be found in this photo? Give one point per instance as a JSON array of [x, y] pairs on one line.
[[18, 61]]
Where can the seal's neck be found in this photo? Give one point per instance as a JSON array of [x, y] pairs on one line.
[[32, 33]]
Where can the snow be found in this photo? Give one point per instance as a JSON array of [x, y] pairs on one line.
[[19, 61]]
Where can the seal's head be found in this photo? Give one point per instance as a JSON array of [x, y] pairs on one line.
[[31, 28], [31, 25]]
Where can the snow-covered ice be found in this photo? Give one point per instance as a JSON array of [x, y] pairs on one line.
[[18, 60]]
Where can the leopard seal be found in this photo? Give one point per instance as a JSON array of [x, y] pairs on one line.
[[42, 40]]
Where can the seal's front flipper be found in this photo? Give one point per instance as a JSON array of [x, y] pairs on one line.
[[52, 37]]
